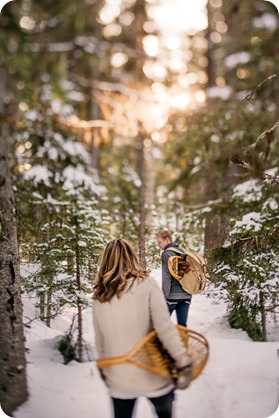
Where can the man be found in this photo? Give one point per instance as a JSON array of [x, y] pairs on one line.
[[177, 298]]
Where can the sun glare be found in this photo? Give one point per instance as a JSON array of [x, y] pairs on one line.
[[180, 101], [151, 45], [174, 16], [173, 42], [200, 96], [174, 20], [155, 71], [167, 44], [118, 59], [177, 64], [110, 11]]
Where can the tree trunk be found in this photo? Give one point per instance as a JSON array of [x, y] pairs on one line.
[[79, 308], [13, 384], [210, 61], [263, 316], [142, 259], [48, 307], [150, 185], [217, 226], [95, 113], [215, 231], [42, 304]]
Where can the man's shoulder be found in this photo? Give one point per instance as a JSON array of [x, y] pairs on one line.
[[172, 247]]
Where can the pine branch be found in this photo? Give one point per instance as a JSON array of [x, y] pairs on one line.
[[250, 95], [203, 205], [247, 166], [264, 134], [45, 317]]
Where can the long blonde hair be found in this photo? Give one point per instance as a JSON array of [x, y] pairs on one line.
[[118, 267]]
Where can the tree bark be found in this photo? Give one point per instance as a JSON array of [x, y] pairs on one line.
[[79, 307], [210, 66], [48, 307], [217, 226], [13, 383], [263, 316], [150, 185], [215, 231], [142, 259], [42, 303], [95, 113]]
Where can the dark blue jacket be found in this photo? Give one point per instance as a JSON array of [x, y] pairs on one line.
[[171, 287]]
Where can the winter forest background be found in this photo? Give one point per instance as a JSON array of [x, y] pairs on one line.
[[121, 117]]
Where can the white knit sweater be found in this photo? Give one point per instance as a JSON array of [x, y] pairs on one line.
[[121, 323]]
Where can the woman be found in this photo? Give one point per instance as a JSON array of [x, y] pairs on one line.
[[127, 306]]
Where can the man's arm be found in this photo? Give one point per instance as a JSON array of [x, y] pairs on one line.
[[166, 276]]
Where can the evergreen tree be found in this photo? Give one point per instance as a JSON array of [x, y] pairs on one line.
[[62, 226], [247, 264]]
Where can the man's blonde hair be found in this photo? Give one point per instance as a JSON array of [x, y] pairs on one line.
[[119, 267], [164, 234]]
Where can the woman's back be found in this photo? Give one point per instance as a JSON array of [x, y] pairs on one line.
[[123, 321], [127, 305]]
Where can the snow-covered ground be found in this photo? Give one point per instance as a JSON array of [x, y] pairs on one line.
[[241, 379]]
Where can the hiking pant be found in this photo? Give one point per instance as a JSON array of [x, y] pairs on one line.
[[123, 408], [181, 308]]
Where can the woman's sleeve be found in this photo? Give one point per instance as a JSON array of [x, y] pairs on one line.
[[165, 328], [99, 340]]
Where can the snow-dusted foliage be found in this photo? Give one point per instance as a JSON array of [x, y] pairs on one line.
[[62, 226], [247, 265], [122, 202]]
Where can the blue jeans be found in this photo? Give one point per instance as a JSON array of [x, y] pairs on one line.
[[123, 408], [181, 308]]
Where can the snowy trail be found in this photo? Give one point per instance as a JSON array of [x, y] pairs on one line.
[[241, 377], [239, 381]]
